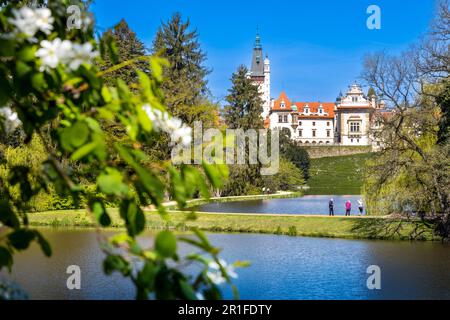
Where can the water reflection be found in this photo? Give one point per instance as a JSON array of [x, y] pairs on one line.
[[282, 268]]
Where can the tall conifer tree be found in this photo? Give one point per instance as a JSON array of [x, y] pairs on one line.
[[185, 85], [129, 46]]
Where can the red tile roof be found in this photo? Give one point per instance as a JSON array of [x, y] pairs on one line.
[[328, 107], [283, 98]]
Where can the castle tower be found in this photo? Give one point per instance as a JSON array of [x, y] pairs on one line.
[[260, 75]]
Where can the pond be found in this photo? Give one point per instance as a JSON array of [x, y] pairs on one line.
[[282, 268], [303, 205]]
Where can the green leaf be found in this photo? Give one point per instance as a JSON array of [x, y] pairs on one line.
[[166, 244], [45, 246], [6, 259], [188, 290], [38, 82], [7, 215], [7, 47], [5, 89], [146, 277], [106, 94], [151, 183], [213, 174], [99, 210], [156, 64], [22, 68], [143, 118], [21, 238], [84, 151], [79, 134], [116, 263], [111, 182], [27, 53], [134, 217]]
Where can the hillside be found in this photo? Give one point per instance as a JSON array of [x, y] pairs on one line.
[[340, 175]]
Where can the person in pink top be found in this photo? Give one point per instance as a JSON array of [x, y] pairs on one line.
[[348, 207]]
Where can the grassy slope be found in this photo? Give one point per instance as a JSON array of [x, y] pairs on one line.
[[337, 227], [337, 175]]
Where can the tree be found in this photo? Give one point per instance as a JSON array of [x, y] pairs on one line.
[[294, 153], [127, 46], [289, 177], [244, 103], [411, 173], [243, 112], [53, 79], [185, 86]]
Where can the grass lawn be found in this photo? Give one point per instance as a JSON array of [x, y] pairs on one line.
[[340, 175], [315, 226]]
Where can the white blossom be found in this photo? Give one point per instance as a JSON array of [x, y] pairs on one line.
[[44, 20], [215, 273], [11, 119], [65, 52], [29, 21], [53, 53], [82, 53], [200, 296], [178, 131]]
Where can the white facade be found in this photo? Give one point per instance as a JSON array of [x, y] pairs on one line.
[[350, 121], [353, 118], [264, 88]]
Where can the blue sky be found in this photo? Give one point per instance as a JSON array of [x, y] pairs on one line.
[[316, 47]]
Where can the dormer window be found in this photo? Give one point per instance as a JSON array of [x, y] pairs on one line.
[[283, 104], [320, 110], [306, 109]]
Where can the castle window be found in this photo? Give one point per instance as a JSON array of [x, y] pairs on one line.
[[285, 118], [299, 123], [355, 126], [328, 133], [354, 99], [314, 133], [314, 123], [280, 118], [299, 133], [328, 123]]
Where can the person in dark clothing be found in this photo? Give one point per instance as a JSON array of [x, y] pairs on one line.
[[331, 207]]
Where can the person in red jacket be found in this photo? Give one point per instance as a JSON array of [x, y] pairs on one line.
[[348, 207]]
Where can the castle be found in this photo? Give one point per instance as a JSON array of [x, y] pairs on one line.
[[348, 121]]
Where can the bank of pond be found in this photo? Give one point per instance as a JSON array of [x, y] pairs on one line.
[[299, 216]]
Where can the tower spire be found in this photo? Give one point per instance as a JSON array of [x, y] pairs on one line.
[[257, 68], [257, 39]]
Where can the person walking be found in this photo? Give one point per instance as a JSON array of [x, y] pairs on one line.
[[360, 207], [348, 208], [331, 207]]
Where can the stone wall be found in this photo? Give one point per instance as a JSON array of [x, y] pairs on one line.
[[333, 151]]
